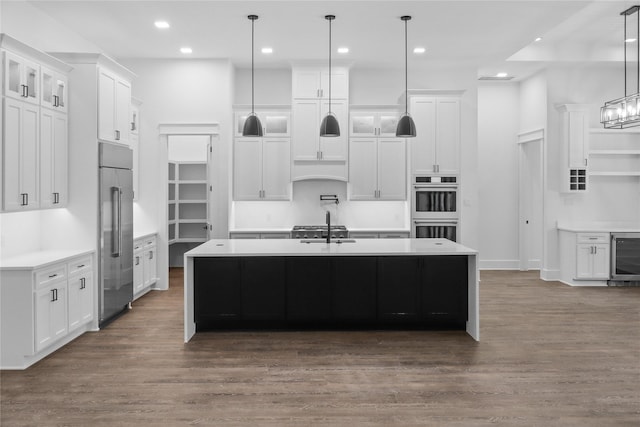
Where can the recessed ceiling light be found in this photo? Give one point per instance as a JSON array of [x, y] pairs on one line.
[[343, 50], [419, 50], [186, 50], [161, 24], [267, 50], [630, 40], [502, 75], [538, 39]]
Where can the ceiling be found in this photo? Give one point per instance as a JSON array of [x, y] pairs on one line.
[[490, 35]]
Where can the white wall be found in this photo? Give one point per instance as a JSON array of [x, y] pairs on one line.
[[271, 86], [179, 91], [498, 114]]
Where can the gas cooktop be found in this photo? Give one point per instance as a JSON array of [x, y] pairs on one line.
[[318, 232]]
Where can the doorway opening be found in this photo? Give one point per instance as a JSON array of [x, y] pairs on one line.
[[531, 199]]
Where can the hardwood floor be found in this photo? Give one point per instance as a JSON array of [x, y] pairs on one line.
[[549, 355]]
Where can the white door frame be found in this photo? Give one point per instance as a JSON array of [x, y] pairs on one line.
[[524, 241]]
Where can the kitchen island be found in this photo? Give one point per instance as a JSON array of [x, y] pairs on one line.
[[368, 283]]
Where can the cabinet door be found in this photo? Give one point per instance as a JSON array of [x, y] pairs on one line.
[[276, 169], [60, 84], [339, 84], [354, 288], [53, 158], [444, 289], [51, 314], [306, 84], [584, 260], [388, 124], [217, 290], [363, 168], [263, 288], [363, 124], [306, 130], [151, 269], [47, 79], [80, 299], [14, 86], [601, 261], [578, 139], [21, 155], [308, 289], [334, 148], [247, 169], [448, 135], [392, 169], [106, 106], [276, 124], [423, 146], [399, 284], [138, 271], [122, 113]]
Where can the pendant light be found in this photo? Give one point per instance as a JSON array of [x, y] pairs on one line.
[[406, 127], [625, 112], [252, 125], [329, 126]]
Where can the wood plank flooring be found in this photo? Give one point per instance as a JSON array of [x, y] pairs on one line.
[[550, 355]]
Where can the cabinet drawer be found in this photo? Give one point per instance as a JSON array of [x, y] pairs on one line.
[[149, 242], [50, 275], [399, 235], [593, 237], [79, 265], [138, 244]]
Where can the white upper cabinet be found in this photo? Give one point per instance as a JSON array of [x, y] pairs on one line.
[[574, 151], [20, 172], [314, 83], [261, 169], [274, 123], [436, 147], [377, 169], [308, 144], [21, 78], [53, 159], [54, 90], [373, 123], [114, 102]]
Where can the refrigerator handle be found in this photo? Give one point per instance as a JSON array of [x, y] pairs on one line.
[[116, 219]]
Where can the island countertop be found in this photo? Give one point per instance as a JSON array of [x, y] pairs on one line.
[[294, 247]]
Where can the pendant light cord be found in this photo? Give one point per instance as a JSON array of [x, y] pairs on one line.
[[625, 54], [330, 66], [406, 72], [252, 94]]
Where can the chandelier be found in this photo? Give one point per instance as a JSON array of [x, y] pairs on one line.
[[625, 112]]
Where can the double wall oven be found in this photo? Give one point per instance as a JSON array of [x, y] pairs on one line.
[[435, 207]]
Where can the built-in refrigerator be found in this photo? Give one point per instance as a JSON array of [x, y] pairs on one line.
[[116, 232]]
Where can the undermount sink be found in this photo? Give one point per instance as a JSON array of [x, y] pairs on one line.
[[325, 241]]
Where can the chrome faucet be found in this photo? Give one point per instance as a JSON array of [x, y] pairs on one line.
[[328, 227]]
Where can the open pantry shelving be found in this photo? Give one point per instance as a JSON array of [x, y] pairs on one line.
[[187, 201]]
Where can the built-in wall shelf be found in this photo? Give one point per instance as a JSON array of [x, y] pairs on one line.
[[618, 173], [188, 221], [614, 152]]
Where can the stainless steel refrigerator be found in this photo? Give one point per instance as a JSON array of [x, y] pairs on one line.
[[116, 231]]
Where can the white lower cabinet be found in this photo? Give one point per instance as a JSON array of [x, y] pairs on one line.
[[252, 235], [145, 269], [379, 235], [44, 305], [51, 313], [593, 256]]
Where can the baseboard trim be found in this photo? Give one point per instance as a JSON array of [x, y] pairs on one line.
[[550, 275], [499, 264]]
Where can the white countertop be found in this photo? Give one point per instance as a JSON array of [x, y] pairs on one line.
[[293, 247], [39, 259], [260, 230], [599, 226]]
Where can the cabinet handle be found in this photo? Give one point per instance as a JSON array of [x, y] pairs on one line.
[[137, 260], [52, 276], [25, 91], [133, 125], [117, 135], [53, 295], [56, 198], [25, 199], [321, 155], [55, 101], [80, 266], [83, 283], [321, 93], [150, 254]]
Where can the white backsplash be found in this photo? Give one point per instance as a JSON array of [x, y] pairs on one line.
[[305, 208]]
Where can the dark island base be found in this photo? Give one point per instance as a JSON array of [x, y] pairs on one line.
[[319, 293]]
